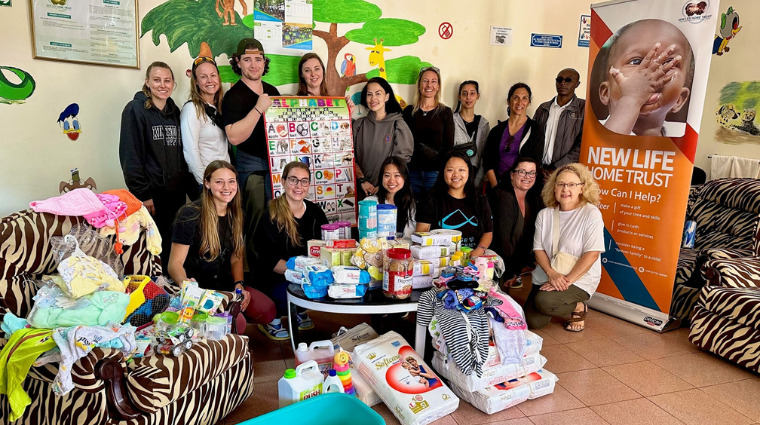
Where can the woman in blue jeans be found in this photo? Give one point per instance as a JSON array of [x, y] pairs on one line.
[[432, 125]]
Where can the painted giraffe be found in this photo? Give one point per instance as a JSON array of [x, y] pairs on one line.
[[377, 57]]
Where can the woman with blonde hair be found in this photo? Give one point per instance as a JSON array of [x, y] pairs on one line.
[[150, 151], [568, 240], [207, 243], [432, 126], [287, 224], [203, 137]]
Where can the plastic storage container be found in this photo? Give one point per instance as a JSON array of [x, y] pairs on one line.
[[321, 352], [327, 409], [216, 328], [398, 268], [300, 383]]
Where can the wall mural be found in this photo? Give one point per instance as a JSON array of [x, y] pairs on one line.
[[11, 92], [737, 112], [69, 122], [729, 27], [194, 22]]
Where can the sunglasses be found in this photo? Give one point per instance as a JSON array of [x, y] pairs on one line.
[[559, 80], [200, 59], [508, 146], [429, 68]]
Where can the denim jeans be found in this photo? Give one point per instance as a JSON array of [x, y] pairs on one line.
[[247, 164], [422, 182]]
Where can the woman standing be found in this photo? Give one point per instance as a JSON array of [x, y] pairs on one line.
[[288, 223], [379, 135], [569, 238], [470, 129], [207, 243], [203, 137], [515, 223], [517, 136], [150, 151], [432, 125], [454, 204], [311, 76], [394, 190]]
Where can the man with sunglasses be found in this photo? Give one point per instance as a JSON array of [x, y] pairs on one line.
[[562, 121]]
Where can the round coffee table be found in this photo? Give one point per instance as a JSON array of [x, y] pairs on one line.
[[373, 302]]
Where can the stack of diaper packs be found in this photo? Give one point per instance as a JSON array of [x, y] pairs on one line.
[[405, 383], [432, 251], [500, 386]]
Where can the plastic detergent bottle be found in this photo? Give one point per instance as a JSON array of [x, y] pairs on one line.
[[320, 351], [332, 384], [305, 381]]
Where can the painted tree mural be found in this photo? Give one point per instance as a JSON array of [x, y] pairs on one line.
[[379, 33]]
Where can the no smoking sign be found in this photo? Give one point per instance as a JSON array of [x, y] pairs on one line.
[[445, 30]]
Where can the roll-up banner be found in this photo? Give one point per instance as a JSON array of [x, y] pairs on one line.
[[648, 67]]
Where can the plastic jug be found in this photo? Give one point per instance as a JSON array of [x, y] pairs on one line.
[[332, 384], [299, 384], [320, 351]]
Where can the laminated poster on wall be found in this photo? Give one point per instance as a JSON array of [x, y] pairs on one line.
[[315, 131], [642, 156], [283, 26]]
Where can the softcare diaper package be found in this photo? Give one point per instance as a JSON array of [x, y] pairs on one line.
[[492, 373], [511, 393], [406, 384]]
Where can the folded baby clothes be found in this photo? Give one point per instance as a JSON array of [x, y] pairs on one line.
[[16, 358], [131, 227], [52, 309], [133, 204], [114, 208]]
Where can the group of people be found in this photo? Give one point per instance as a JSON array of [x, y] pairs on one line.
[[440, 168]]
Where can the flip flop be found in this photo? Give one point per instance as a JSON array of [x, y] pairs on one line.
[[577, 316]]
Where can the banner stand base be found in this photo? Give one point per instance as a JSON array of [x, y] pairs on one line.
[[636, 314]]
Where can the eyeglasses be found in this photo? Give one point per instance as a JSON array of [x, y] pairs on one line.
[[523, 173], [293, 181], [559, 80], [200, 59], [567, 185]]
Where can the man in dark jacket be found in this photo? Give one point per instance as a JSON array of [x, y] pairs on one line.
[[561, 119]]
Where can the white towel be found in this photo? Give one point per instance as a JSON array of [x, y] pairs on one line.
[[745, 167], [720, 166]]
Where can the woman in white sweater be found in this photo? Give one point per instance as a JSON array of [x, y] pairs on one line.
[[203, 137]]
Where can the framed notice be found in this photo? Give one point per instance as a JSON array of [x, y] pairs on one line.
[[317, 132], [99, 32]]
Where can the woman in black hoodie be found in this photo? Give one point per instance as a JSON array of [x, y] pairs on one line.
[[150, 151]]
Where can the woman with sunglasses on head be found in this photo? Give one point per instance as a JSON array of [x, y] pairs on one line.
[[517, 136], [379, 135], [515, 223], [432, 125], [203, 137], [207, 243], [568, 240], [455, 204], [470, 129], [287, 224]]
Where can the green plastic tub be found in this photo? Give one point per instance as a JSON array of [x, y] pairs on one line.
[[325, 409]]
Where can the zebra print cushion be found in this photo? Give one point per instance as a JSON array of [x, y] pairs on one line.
[[727, 213], [158, 380], [206, 405], [733, 273], [26, 252], [725, 337], [741, 305]]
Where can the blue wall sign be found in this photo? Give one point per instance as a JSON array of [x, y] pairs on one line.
[[546, 40]]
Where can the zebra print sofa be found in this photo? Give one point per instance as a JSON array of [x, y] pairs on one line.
[[200, 387], [726, 319], [727, 212]]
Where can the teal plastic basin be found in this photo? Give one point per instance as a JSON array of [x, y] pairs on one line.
[[325, 409]]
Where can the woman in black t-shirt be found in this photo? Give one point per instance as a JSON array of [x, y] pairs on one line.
[[454, 204], [207, 243], [287, 224]]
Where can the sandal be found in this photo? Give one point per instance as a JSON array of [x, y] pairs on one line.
[[274, 330], [577, 316]]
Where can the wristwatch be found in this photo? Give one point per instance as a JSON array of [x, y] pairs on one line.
[[361, 180]]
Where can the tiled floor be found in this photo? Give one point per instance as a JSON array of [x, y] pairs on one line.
[[611, 373]]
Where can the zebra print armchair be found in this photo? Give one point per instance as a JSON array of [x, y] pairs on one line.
[[727, 212], [201, 386], [726, 319]]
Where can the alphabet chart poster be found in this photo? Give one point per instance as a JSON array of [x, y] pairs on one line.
[[317, 132]]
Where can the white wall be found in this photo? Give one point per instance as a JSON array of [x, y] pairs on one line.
[[35, 155]]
